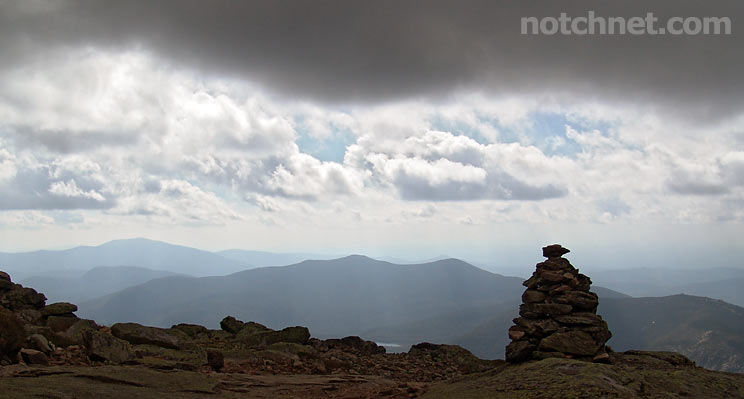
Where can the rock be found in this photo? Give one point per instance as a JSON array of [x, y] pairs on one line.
[[298, 335], [215, 359], [100, 346], [252, 327], [61, 323], [39, 342], [571, 342], [19, 298], [76, 331], [587, 319], [34, 357], [138, 334], [5, 283], [30, 316], [537, 328], [518, 351], [601, 358], [352, 344], [543, 309], [58, 309], [231, 325], [554, 251], [515, 333], [192, 330], [532, 296], [12, 335], [581, 301], [553, 277]]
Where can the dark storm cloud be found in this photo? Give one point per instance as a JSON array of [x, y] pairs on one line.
[[68, 141], [366, 51]]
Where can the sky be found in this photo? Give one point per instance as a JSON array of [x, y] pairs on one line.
[[399, 128]]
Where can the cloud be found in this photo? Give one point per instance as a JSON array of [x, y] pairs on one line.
[[30, 183], [351, 51], [178, 201], [440, 166]]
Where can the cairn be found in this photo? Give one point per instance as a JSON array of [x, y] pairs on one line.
[[558, 315]]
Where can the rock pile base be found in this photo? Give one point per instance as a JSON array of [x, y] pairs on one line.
[[558, 315]]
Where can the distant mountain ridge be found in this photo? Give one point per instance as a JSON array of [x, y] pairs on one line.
[[139, 252], [96, 282], [338, 297]]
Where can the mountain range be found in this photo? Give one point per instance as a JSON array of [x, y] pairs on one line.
[[443, 301]]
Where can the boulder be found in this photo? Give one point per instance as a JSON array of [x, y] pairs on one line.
[[231, 325], [39, 342], [351, 344], [19, 298], [12, 335], [138, 334], [61, 323], [297, 335], [100, 346], [5, 283], [34, 357], [518, 351], [76, 331], [192, 330], [58, 309]]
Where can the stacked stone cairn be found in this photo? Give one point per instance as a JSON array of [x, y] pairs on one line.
[[558, 315]]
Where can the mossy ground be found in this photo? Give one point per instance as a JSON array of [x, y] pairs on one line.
[[632, 375]]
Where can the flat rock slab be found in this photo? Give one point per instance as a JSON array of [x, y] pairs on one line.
[[138, 334]]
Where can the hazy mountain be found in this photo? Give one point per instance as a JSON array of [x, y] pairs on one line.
[[711, 282], [709, 331], [137, 252], [334, 297], [730, 290], [94, 283], [263, 259]]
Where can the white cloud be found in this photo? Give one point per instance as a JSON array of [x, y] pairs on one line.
[[70, 189]]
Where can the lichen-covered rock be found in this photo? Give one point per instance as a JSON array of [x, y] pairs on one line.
[[138, 334], [58, 309], [231, 325], [558, 315], [192, 330], [105, 347]]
